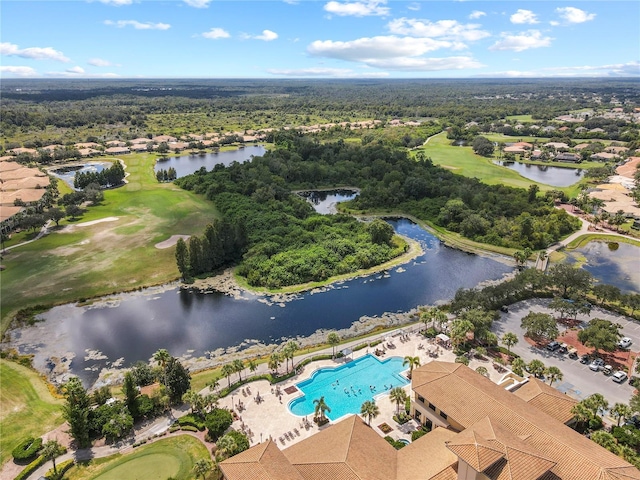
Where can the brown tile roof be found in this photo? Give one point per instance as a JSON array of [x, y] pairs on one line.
[[265, 461], [27, 195], [22, 172], [427, 457], [28, 182], [8, 211], [467, 397], [347, 445], [546, 398], [8, 166]]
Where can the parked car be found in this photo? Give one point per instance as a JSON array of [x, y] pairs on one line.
[[553, 346], [564, 348], [585, 358], [635, 421], [619, 376], [607, 370], [597, 364], [625, 342], [573, 353]]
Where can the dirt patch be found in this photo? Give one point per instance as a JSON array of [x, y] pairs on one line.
[[171, 241], [92, 222], [449, 167]]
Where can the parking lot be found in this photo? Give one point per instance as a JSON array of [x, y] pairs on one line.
[[578, 380]]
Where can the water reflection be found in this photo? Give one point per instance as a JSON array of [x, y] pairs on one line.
[[189, 164], [554, 176]]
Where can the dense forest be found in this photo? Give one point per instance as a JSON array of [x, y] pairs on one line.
[[288, 242]]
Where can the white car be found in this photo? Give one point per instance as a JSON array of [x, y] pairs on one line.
[[625, 342], [596, 365], [619, 376]]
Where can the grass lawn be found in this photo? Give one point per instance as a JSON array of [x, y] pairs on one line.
[[27, 408], [584, 239], [78, 262], [172, 457]]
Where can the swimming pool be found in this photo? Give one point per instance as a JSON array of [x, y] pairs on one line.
[[346, 387]]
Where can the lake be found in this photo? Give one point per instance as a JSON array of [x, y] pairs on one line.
[[68, 174], [189, 164], [137, 325], [615, 263], [325, 201], [554, 176]]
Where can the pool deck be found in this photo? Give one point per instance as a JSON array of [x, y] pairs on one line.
[[271, 416]]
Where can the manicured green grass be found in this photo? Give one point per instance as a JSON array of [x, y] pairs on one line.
[[27, 408], [171, 457], [520, 118], [108, 257]]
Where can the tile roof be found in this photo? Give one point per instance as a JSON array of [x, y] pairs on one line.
[[351, 443], [265, 461], [546, 398], [467, 397], [427, 457]]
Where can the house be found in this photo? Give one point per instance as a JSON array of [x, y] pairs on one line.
[[481, 431], [9, 217], [19, 150], [557, 145], [580, 129], [86, 145], [617, 150], [117, 151], [115, 143], [89, 152], [603, 157], [596, 130], [567, 157], [164, 138], [514, 149], [140, 147], [581, 146], [140, 140], [525, 145]]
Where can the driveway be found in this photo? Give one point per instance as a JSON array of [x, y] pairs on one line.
[[578, 381]]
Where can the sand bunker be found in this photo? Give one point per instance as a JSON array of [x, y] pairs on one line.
[[93, 222], [171, 241]]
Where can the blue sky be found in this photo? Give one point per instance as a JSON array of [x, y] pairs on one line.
[[318, 39]]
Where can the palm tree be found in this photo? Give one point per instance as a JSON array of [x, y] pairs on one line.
[[509, 339], [605, 439], [162, 357], [320, 408], [274, 361], [412, 362], [536, 368], [482, 371], [581, 413], [518, 365], [50, 451], [553, 373], [289, 351], [333, 339], [227, 371], [435, 316], [201, 468], [213, 384], [253, 365], [370, 410], [225, 446], [238, 366], [596, 403], [397, 395], [620, 411]]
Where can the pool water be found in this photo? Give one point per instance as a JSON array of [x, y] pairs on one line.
[[346, 387]]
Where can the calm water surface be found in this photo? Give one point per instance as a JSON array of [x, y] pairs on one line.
[[195, 323], [68, 174], [554, 176], [189, 164]]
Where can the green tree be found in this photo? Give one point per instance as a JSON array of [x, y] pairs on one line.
[[570, 280], [509, 339], [553, 373], [482, 371], [227, 371], [130, 392], [459, 330], [601, 335], [178, 380], [381, 232], [274, 361], [369, 410], [539, 325], [162, 357], [521, 256], [119, 424], [518, 365], [76, 411], [606, 440], [202, 468], [398, 396], [412, 362], [634, 403], [55, 214], [620, 411], [632, 301], [333, 339], [482, 146], [536, 368], [182, 258], [320, 408], [217, 421], [596, 403], [51, 450], [605, 293], [532, 278], [290, 351], [434, 317], [238, 367], [225, 446]]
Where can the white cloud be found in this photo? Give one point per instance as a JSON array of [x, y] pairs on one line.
[[524, 16], [522, 41], [291, 2], [138, 25], [75, 70], [574, 15], [216, 33], [415, 6], [267, 36], [34, 53], [117, 3], [326, 72], [78, 72], [448, 29], [423, 64], [358, 9], [198, 3], [613, 70], [99, 62], [18, 71], [476, 14], [365, 49]]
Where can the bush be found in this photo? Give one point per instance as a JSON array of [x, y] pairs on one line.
[[32, 467], [192, 420], [27, 449], [416, 434], [189, 428], [395, 443], [401, 418], [174, 428], [217, 421], [430, 332], [61, 469], [242, 442]]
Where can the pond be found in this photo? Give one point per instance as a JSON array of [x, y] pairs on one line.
[[613, 263], [186, 323], [325, 201], [554, 176], [68, 174], [189, 164]]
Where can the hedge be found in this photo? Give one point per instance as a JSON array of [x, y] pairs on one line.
[[27, 449], [395, 443], [61, 470], [192, 420], [32, 467], [189, 428]]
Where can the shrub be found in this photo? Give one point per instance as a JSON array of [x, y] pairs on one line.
[[27, 449], [401, 418], [174, 428], [430, 332], [241, 440], [395, 443], [61, 469], [32, 467], [192, 420], [416, 434], [217, 421], [189, 428], [462, 359]]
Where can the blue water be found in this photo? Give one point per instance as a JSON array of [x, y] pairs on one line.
[[346, 387], [188, 164]]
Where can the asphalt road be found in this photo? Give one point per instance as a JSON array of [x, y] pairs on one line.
[[578, 380]]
